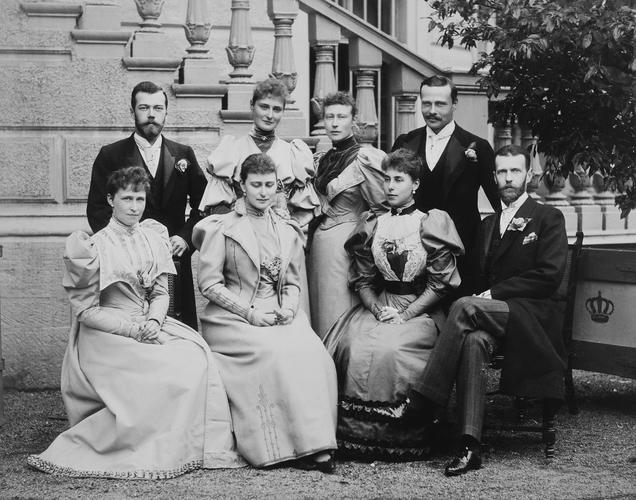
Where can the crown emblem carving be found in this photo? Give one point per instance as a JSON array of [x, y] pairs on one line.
[[600, 308]]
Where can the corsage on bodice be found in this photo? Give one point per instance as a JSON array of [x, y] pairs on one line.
[[397, 247]]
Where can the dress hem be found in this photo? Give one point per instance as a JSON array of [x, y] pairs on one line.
[[49, 467]]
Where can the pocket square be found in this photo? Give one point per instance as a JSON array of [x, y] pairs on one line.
[[530, 238]]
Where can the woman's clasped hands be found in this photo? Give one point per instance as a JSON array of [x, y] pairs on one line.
[[389, 314], [259, 317], [150, 332]]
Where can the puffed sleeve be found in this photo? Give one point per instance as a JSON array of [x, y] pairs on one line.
[[302, 194], [363, 274], [81, 281], [222, 165], [81, 273], [208, 237], [369, 160], [443, 246]]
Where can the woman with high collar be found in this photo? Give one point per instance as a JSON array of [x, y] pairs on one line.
[[142, 392], [280, 380], [348, 182], [403, 263], [295, 195]]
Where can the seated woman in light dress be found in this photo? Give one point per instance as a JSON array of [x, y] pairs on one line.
[[403, 264], [142, 391], [280, 380]]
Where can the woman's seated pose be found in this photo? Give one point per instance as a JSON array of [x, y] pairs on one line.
[[403, 263], [142, 391], [280, 380]]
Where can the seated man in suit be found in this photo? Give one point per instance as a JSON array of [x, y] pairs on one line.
[[521, 257], [175, 176], [456, 162]]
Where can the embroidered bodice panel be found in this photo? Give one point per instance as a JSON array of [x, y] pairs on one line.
[[397, 247]]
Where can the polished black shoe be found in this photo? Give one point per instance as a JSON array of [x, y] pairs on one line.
[[467, 461], [325, 466]]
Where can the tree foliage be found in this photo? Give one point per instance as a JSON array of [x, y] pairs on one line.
[[566, 69]]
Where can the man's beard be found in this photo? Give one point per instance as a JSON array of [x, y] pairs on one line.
[[149, 133], [509, 196]]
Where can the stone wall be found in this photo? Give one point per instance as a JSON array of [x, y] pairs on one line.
[[62, 100]]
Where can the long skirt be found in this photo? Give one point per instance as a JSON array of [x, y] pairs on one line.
[[140, 411], [281, 384], [328, 271], [377, 363]]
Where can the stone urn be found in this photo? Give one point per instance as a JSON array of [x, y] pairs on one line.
[[149, 11]]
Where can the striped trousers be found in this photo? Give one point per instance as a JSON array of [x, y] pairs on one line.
[[461, 356]]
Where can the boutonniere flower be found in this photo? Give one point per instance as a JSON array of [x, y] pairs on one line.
[[518, 223], [470, 152], [182, 165]]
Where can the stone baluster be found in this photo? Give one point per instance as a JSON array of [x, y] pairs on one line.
[[240, 48], [240, 54], [324, 36], [198, 67], [590, 214], [151, 48], [282, 13], [555, 184], [366, 62], [149, 11], [503, 134], [605, 198]]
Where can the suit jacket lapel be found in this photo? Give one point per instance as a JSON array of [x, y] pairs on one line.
[[492, 224], [417, 144], [244, 235], [525, 210], [167, 164], [453, 158]]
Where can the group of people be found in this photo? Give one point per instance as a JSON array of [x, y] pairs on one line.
[[347, 294]]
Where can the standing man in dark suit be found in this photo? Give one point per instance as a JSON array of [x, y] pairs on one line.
[[521, 256], [456, 162], [175, 176]]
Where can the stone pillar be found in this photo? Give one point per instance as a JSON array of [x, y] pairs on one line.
[[366, 62], [404, 113], [555, 183], [150, 48], [404, 86], [324, 36], [589, 214], [282, 13]]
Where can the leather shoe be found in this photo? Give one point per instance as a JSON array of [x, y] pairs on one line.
[[325, 466], [467, 461]]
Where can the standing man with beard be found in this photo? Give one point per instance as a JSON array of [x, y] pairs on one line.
[[520, 260], [175, 178], [456, 162]]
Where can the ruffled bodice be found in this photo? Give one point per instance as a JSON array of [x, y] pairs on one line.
[[294, 169], [415, 247], [135, 256]]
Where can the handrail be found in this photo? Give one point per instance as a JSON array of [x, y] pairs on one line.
[[362, 29]]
